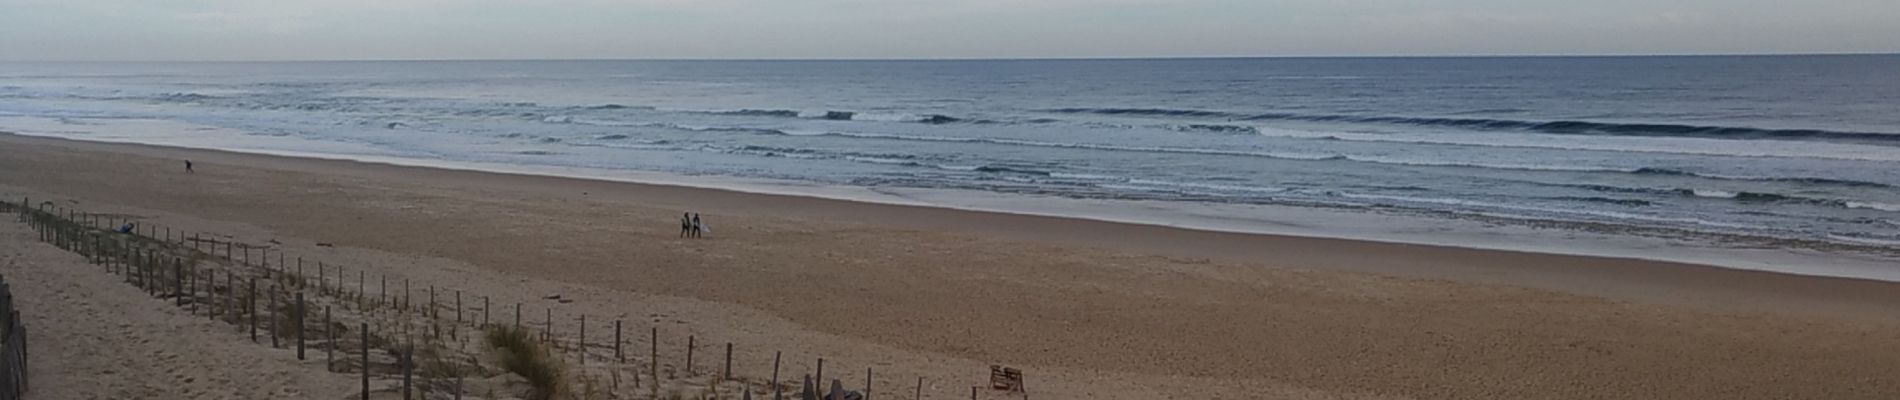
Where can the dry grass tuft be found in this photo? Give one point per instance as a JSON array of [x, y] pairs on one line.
[[521, 355]]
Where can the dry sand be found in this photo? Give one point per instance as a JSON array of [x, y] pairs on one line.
[[92, 336], [1088, 309]]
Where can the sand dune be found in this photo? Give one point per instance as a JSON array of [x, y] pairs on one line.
[[94, 337]]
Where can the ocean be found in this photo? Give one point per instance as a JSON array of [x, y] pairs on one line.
[[1707, 159]]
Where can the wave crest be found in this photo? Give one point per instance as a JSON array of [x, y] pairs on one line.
[[1563, 127]]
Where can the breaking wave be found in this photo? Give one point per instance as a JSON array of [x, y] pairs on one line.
[[1550, 127]]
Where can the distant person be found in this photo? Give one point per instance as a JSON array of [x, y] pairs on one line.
[[696, 226], [686, 224], [188, 167]]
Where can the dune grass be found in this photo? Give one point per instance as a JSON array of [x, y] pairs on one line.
[[520, 354]]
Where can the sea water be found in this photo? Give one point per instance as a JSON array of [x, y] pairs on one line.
[[1617, 155]]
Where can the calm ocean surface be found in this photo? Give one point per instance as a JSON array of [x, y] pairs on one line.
[[1795, 152]]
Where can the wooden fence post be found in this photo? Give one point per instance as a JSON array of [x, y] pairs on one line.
[[408, 368], [191, 290], [178, 287], [299, 315], [230, 300], [276, 328], [583, 336], [654, 356], [253, 308], [329, 352], [777, 389], [728, 374], [365, 367], [211, 293], [689, 355], [154, 285], [620, 357]]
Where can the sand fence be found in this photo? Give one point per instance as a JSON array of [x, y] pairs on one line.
[[13, 359], [402, 344]]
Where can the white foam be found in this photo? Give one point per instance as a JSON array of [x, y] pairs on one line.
[[1863, 240], [1714, 194], [877, 160], [1873, 206], [1659, 145]]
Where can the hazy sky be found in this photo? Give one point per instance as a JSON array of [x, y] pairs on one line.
[[490, 29]]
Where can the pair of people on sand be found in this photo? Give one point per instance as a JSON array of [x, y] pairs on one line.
[[691, 226]]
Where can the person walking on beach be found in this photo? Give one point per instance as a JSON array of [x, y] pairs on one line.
[[686, 224], [188, 167], [697, 228]]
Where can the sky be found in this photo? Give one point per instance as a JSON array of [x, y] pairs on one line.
[[150, 30]]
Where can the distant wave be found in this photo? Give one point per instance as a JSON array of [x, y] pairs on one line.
[[840, 115], [1739, 196], [1550, 127], [1271, 155], [1803, 180], [1865, 240], [185, 97], [1153, 112], [1551, 210], [1872, 206], [1300, 156], [617, 107], [1213, 128], [1009, 169], [758, 113], [1592, 145], [1606, 200]]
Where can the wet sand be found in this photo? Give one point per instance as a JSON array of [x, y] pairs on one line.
[[1090, 309]]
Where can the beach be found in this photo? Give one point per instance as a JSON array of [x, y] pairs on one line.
[[1088, 309], [91, 336]]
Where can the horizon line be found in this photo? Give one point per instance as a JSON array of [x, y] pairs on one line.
[[900, 59]]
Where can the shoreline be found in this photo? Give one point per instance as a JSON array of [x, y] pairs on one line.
[[1584, 274], [1395, 226], [1094, 309]]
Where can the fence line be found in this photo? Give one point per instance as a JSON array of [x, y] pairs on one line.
[[13, 361], [133, 250]]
